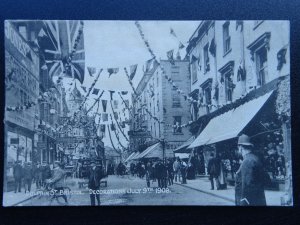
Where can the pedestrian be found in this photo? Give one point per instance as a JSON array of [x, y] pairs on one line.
[[95, 176], [249, 183], [176, 168], [38, 175], [183, 170], [18, 175], [28, 175], [160, 172], [46, 173], [57, 180], [190, 173], [170, 172], [213, 169]]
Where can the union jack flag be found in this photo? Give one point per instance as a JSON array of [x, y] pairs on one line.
[[63, 45]]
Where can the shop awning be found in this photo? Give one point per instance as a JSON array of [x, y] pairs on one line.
[[133, 157], [230, 124], [130, 156], [184, 148], [154, 151]]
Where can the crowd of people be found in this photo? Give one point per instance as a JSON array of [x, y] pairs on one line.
[[25, 174]]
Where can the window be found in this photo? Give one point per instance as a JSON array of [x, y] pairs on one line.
[[206, 59], [226, 37], [226, 77], [259, 54], [194, 71], [206, 91], [262, 66], [175, 99], [157, 103], [177, 125], [228, 86]]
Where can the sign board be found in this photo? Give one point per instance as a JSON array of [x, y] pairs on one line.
[[41, 145], [144, 134]]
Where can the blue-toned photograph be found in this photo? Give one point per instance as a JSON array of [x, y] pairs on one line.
[[111, 112]]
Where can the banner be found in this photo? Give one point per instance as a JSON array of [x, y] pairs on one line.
[[104, 104], [104, 117]]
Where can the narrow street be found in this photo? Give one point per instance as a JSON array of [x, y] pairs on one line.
[[174, 195]]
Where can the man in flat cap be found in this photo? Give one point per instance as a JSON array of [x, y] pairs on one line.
[[249, 181]]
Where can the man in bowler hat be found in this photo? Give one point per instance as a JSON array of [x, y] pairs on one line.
[[95, 176], [249, 182]]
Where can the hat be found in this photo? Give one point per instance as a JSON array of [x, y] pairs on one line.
[[244, 140]]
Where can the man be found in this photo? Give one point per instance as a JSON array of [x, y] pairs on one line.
[[170, 172], [176, 168], [159, 171], [95, 175], [213, 169], [183, 170], [18, 175], [28, 175], [249, 184], [58, 179]]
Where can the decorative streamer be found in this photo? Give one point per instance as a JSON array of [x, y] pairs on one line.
[[117, 122]]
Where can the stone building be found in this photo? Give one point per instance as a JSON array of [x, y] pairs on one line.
[[159, 110]]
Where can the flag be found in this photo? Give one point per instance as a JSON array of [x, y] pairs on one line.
[[102, 128], [181, 46], [170, 56], [95, 91], [92, 71], [116, 115], [83, 88], [212, 47], [150, 64], [123, 124], [63, 55], [104, 104], [104, 117], [115, 104], [42, 33], [194, 59], [111, 94], [133, 69], [112, 127], [172, 32], [112, 71], [124, 92]]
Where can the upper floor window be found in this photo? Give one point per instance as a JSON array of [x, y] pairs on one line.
[[206, 59], [194, 70], [259, 54], [177, 125], [262, 66], [227, 78], [175, 99], [226, 37], [206, 90]]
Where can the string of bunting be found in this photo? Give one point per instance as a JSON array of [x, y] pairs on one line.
[[96, 101], [118, 138], [117, 122]]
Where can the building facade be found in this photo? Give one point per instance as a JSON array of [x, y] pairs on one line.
[[247, 61], [159, 111]]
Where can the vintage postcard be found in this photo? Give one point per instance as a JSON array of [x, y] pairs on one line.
[[147, 113]]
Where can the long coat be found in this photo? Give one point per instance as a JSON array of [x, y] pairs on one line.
[[58, 177], [249, 184], [18, 172], [95, 175], [213, 167]]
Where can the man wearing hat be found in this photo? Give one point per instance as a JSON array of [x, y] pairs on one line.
[[95, 175], [249, 181], [18, 175]]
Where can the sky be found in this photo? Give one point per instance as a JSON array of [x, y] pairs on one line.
[[118, 44]]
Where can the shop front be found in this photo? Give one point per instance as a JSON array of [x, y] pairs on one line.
[[258, 119], [21, 94]]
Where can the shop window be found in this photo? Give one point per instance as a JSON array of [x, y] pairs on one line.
[[206, 59], [177, 125], [226, 38], [175, 99]]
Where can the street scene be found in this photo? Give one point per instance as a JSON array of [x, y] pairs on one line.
[[102, 113]]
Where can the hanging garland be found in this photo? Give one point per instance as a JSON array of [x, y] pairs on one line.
[[117, 122]]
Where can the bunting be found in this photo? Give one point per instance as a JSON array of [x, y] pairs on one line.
[[91, 70], [111, 94], [104, 104], [104, 117], [171, 57], [95, 91], [112, 71], [133, 69], [124, 92]]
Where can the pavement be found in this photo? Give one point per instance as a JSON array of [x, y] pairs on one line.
[[202, 184], [12, 199]]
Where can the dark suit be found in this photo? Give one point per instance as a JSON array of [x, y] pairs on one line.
[[18, 175], [95, 175], [213, 169], [249, 186]]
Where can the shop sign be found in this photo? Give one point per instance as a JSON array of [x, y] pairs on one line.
[[21, 78]]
